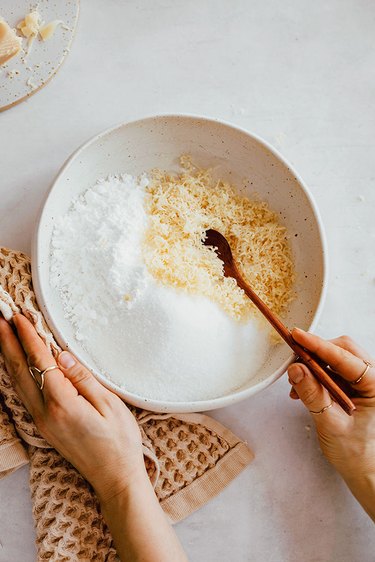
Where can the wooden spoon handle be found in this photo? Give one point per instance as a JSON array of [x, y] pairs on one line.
[[323, 377]]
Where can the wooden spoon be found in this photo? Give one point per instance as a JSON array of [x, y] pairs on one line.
[[221, 245]]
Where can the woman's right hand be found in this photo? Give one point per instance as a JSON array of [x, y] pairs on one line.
[[348, 442]]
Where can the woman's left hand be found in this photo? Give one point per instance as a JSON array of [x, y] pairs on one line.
[[89, 425], [94, 430]]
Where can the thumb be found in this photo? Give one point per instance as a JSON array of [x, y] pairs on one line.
[[83, 380], [310, 391]]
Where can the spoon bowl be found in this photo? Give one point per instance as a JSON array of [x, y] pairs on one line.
[[223, 250]]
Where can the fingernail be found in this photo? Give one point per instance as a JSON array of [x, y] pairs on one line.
[[15, 318], [66, 360], [296, 374], [293, 394]]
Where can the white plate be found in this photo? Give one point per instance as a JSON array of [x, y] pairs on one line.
[[158, 142], [24, 75]]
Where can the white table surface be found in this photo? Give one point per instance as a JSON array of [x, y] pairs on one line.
[[301, 75]]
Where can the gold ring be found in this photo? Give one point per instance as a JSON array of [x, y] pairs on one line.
[[39, 375], [368, 366], [322, 410]]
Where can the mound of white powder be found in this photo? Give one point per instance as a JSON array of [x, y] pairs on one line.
[[152, 340]]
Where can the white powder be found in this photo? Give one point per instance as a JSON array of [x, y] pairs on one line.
[[96, 262], [152, 340]]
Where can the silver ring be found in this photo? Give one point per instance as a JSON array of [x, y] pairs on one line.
[[368, 366], [39, 375], [322, 410]]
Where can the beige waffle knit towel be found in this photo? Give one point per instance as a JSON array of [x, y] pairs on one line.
[[189, 457]]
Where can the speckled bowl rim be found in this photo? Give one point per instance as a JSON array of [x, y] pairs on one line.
[[169, 406]]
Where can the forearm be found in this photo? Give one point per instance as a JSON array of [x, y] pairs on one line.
[[363, 489], [139, 527]]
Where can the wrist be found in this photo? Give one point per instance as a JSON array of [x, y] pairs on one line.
[[354, 459], [354, 464], [138, 525], [362, 486], [120, 482], [360, 482]]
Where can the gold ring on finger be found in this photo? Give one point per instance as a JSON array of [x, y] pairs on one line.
[[322, 410], [368, 366], [39, 375]]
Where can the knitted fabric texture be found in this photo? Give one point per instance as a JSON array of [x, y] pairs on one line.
[[189, 457]]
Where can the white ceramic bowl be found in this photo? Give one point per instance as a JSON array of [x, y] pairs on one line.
[[158, 142]]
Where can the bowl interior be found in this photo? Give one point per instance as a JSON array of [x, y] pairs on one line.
[[237, 156]]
